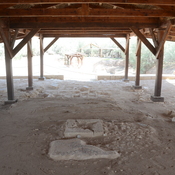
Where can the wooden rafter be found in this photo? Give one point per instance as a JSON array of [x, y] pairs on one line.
[[118, 44], [144, 40]]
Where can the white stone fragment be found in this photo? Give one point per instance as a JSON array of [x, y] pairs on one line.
[[76, 149], [84, 128], [173, 119], [84, 88]]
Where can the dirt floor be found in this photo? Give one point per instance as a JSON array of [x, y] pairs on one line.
[[140, 130]]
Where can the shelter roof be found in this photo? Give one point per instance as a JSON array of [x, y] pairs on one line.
[[87, 18]]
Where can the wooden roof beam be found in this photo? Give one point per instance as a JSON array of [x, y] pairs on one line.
[[84, 32], [85, 23], [85, 35], [86, 12], [148, 2]]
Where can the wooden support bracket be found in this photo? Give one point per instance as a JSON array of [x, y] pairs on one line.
[[51, 43], [118, 44], [144, 40], [161, 44], [25, 40]]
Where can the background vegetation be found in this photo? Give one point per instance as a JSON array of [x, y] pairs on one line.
[[90, 48]]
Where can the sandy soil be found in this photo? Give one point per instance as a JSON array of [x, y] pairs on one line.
[[140, 130]]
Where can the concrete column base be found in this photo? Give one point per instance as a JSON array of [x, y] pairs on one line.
[[126, 80], [10, 102], [137, 87], [41, 78], [29, 88], [157, 99]]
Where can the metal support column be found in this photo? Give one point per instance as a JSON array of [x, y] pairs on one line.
[[29, 59], [41, 59], [138, 55], [9, 73], [126, 59], [159, 65]]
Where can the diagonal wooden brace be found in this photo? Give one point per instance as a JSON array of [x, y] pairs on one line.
[[51, 43], [169, 26], [118, 44], [25, 40], [144, 40], [14, 38], [153, 38]]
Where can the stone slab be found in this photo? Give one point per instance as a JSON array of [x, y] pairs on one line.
[[76, 149], [60, 77], [132, 77], [83, 128]]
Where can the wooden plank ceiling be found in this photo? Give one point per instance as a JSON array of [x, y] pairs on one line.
[[87, 18]]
